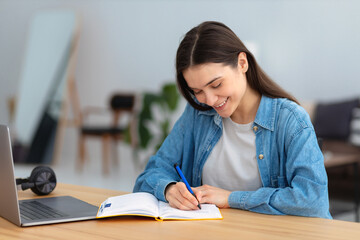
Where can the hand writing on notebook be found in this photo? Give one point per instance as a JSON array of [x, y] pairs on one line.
[[179, 197]]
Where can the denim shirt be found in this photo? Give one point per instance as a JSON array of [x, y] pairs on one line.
[[291, 164]]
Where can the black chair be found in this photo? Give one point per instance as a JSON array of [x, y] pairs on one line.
[[119, 106]]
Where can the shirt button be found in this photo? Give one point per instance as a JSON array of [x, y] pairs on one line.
[[255, 128], [261, 156]]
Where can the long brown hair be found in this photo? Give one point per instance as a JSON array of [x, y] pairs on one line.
[[214, 42]]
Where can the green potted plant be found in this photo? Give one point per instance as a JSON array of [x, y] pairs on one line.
[[154, 118], [165, 102]]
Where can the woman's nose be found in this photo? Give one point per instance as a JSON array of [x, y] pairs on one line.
[[210, 99]]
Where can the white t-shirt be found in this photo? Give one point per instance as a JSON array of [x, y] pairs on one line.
[[232, 164]]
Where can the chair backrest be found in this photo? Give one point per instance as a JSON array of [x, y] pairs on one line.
[[125, 102], [122, 103]]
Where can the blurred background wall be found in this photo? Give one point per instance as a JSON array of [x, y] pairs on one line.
[[311, 48]]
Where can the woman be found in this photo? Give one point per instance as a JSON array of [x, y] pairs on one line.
[[242, 141]]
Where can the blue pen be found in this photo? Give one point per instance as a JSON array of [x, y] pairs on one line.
[[178, 170]]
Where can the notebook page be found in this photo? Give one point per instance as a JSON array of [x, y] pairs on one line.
[[207, 211], [140, 203]]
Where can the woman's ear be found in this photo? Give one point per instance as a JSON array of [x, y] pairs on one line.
[[242, 62]]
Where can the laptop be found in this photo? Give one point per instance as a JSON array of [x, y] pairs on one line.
[[38, 211]]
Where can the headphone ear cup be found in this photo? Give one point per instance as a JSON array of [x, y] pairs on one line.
[[44, 180]]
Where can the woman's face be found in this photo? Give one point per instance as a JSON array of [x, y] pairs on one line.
[[218, 86]]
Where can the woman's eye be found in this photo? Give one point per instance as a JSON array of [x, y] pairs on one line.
[[217, 85], [196, 93]]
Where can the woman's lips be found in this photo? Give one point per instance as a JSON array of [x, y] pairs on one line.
[[221, 105]]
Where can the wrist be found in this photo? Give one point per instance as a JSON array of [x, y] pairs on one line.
[[167, 188], [227, 205]]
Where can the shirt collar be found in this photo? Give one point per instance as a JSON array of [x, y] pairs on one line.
[[212, 112], [265, 116]]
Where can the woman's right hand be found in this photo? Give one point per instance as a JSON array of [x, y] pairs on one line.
[[179, 197]]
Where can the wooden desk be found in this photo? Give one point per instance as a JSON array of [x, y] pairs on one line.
[[333, 160], [336, 160], [237, 224]]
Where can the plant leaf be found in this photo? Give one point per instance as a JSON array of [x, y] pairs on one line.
[[145, 136], [171, 96]]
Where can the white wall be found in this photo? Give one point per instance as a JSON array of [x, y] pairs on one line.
[[311, 48]]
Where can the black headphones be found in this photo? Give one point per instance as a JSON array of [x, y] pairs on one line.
[[42, 181]]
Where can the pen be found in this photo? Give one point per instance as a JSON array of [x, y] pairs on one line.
[[178, 170]]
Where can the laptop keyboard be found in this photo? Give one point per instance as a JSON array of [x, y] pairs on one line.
[[33, 210]]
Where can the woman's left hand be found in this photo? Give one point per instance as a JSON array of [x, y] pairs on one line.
[[213, 195]]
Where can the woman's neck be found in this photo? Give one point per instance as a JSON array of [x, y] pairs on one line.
[[248, 106]]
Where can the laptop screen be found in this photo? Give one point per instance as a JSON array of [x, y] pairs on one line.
[[9, 206]]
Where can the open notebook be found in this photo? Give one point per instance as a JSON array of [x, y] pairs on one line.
[[145, 204]]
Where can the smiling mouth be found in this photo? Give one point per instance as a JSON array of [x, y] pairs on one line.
[[221, 104]]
